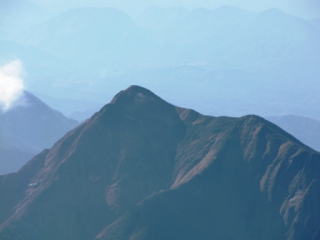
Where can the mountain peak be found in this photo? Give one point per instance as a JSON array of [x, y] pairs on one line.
[[139, 105], [136, 102], [134, 93]]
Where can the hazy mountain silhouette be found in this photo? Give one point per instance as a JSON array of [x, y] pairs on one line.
[[233, 37], [305, 129], [226, 36], [279, 52], [26, 129], [142, 168], [106, 36]]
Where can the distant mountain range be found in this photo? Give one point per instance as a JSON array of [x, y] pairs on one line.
[[142, 168], [275, 54], [28, 128], [223, 37], [106, 45]]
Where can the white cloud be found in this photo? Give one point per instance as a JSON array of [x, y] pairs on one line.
[[11, 83]]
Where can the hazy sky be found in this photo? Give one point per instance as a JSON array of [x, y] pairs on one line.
[[307, 8]]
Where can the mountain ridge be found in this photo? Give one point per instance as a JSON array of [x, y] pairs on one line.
[[141, 169]]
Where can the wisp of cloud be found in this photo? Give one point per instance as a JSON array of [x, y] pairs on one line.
[[11, 83]]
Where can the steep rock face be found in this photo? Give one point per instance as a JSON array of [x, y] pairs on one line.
[[143, 169]]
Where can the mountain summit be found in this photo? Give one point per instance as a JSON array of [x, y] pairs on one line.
[[26, 129], [142, 168]]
